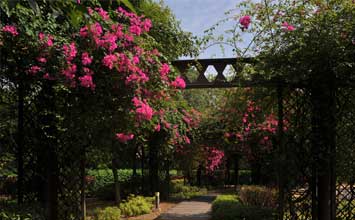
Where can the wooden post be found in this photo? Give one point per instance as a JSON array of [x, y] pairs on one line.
[[324, 132], [20, 142], [281, 152], [83, 184]]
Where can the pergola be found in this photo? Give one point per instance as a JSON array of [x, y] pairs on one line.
[[321, 113]]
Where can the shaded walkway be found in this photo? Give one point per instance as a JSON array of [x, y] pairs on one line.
[[195, 209]]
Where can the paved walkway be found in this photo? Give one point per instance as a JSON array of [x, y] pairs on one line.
[[195, 209]]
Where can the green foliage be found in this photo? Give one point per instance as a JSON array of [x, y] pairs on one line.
[[168, 36], [258, 196], [11, 211], [136, 205], [228, 207], [11, 216], [109, 213], [181, 191]]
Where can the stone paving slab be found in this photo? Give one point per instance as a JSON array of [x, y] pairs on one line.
[[195, 209]]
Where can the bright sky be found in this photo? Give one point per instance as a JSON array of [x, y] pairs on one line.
[[199, 15]]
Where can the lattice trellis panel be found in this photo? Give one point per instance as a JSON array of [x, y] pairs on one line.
[[70, 178], [297, 149], [345, 167]]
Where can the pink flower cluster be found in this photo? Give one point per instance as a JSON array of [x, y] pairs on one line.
[[143, 110], [137, 24], [179, 82], [124, 138], [10, 29], [118, 55], [70, 51], [34, 69], [109, 61], [86, 81], [86, 59], [164, 71], [245, 21], [46, 39], [287, 27], [214, 158]]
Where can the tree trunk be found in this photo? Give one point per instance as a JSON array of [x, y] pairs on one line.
[[116, 182], [134, 162], [154, 164], [236, 170], [227, 176], [199, 175], [166, 193], [20, 142], [142, 168]]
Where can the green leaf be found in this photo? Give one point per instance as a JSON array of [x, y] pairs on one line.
[[128, 4], [76, 16], [33, 4]]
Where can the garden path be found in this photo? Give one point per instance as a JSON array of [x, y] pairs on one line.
[[194, 209]]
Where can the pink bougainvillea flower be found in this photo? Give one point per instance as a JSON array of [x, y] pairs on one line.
[[88, 71], [46, 38], [143, 110], [83, 31], [78, 1], [157, 128], [10, 29], [135, 60], [109, 61], [86, 81], [124, 138], [135, 29], [41, 36], [147, 24], [245, 21], [86, 59], [48, 77], [70, 51], [34, 69], [286, 26], [214, 158], [90, 11], [70, 71], [179, 82], [164, 71], [41, 59], [49, 40], [187, 140], [96, 29], [104, 15]]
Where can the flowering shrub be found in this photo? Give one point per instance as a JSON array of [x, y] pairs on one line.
[[107, 55], [214, 158]]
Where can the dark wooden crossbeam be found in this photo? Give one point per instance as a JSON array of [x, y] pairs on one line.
[[220, 80]]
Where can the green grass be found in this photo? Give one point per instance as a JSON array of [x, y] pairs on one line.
[[229, 207]]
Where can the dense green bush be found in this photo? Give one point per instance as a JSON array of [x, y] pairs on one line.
[[181, 191], [102, 182], [136, 205], [109, 213], [258, 196], [228, 207]]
